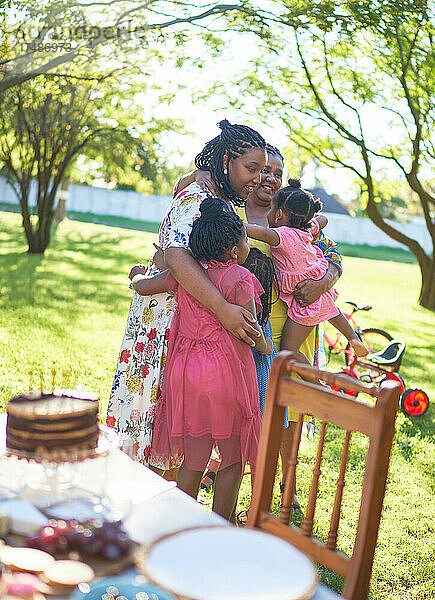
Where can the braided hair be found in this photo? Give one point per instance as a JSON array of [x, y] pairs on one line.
[[262, 267], [273, 150], [234, 141], [298, 205], [217, 229]]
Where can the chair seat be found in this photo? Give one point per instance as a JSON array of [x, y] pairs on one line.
[[224, 563]]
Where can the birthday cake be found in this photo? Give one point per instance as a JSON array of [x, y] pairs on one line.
[[38, 421]]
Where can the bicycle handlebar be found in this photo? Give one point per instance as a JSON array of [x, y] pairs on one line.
[[356, 307]]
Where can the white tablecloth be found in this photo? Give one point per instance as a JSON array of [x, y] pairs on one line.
[[163, 510]]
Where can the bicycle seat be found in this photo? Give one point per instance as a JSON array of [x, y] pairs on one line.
[[359, 306], [388, 355]]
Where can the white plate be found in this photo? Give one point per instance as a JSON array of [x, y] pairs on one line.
[[227, 563]]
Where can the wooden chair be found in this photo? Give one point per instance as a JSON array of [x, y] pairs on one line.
[[376, 422]]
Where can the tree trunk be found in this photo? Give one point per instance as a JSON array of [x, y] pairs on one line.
[[425, 262], [60, 210], [427, 293], [42, 234], [36, 246], [27, 225]]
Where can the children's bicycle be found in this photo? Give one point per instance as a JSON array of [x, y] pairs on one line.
[[374, 339], [383, 365]]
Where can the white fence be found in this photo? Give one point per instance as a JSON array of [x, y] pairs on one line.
[[99, 201], [360, 230]]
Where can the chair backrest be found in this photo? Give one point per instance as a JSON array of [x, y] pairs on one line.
[[376, 422]]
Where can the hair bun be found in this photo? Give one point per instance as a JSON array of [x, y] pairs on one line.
[[294, 182], [211, 209], [224, 124]]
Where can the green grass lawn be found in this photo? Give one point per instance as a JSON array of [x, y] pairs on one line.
[[68, 310]]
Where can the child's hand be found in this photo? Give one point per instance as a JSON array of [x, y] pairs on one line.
[[269, 346], [159, 258], [139, 268], [204, 180]]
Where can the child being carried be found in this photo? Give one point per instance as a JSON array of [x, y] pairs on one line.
[[293, 226]]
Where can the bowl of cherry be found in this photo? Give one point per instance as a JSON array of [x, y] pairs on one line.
[[95, 538]]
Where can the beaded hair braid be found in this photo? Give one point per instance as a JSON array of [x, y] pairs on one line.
[[262, 267], [297, 204], [234, 141], [217, 229]]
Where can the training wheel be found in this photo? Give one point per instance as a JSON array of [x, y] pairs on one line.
[[414, 402]]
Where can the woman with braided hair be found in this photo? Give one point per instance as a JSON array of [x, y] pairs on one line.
[[306, 292], [234, 159]]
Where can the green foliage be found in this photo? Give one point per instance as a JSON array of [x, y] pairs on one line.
[[54, 129], [43, 128], [339, 75], [47, 35], [135, 159]]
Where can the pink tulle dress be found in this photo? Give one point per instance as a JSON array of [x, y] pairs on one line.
[[209, 392], [296, 259]]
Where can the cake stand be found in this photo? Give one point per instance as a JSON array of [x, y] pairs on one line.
[[53, 476]]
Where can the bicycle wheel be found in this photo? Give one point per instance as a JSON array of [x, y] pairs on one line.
[[374, 339]]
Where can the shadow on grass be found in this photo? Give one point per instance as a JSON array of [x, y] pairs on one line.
[[121, 222], [359, 251], [413, 429], [377, 252], [78, 277], [111, 221]]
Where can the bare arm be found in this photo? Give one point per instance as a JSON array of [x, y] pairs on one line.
[[191, 276], [264, 234], [184, 181], [262, 344], [202, 178], [147, 286]]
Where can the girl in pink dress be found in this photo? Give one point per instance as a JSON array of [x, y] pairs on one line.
[[209, 393], [293, 226]]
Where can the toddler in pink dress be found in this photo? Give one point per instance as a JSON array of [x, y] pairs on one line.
[[293, 225], [210, 393]]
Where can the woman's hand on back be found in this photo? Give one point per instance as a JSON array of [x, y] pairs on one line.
[[236, 320], [202, 178]]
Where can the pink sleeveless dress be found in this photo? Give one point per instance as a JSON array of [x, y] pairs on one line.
[[296, 259], [209, 393]]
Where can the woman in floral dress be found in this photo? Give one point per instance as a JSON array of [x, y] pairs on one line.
[[235, 159]]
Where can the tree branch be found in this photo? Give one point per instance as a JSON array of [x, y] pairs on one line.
[[11, 80], [331, 118]]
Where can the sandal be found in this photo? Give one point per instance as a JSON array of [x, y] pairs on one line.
[[241, 518], [208, 480]]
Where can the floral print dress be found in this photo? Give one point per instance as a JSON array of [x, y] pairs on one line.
[[139, 372]]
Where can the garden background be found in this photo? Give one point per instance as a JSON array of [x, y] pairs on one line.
[[123, 94]]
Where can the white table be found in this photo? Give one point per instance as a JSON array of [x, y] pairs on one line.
[[169, 511]]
